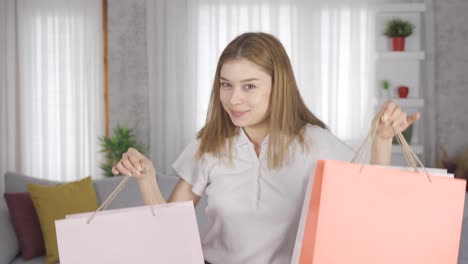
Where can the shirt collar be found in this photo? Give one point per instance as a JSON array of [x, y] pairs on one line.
[[243, 139]]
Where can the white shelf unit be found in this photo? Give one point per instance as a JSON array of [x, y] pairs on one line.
[[418, 149], [402, 8], [404, 103], [402, 68], [402, 55]]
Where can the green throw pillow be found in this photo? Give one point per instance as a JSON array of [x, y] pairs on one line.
[[55, 202]]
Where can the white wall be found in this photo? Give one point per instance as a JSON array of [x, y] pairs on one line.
[[451, 74], [128, 76]]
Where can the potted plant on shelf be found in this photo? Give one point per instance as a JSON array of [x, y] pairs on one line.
[[403, 91], [398, 29], [114, 146], [386, 89]]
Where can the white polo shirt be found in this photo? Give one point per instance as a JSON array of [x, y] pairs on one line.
[[253, 212]]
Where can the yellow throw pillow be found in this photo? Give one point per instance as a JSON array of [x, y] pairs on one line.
[[55, 202]]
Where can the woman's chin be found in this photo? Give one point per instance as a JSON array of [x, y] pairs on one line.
[[237, 123]]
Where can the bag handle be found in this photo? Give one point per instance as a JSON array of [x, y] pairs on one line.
[[111, 197], [410, 156]]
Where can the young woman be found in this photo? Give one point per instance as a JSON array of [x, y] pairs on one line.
[[255, 154]]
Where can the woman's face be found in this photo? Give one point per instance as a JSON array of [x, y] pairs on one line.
[[245, 93]]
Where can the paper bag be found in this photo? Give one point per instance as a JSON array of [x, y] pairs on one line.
[[364, 214], [132, 235]]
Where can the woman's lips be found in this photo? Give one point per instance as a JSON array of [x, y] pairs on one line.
[[238, 114]]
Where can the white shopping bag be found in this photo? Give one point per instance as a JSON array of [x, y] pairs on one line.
[[165, 233]]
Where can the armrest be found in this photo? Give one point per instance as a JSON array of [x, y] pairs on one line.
[[8, 243]]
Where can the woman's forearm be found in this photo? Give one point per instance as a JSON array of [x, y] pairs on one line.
[[381, 153], [150, 192]]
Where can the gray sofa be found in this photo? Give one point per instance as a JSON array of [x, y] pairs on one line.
[[130, 196]]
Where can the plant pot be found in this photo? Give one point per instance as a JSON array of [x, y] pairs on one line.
[[398, 43], [385, 94], [403, 91]]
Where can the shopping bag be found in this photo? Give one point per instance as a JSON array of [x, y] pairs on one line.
[[356, 213], [166, 233], [430, 171]]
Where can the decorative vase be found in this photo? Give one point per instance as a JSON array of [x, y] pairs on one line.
[[398, 43], [403, 91]]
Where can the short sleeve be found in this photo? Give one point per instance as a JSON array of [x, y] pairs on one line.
[[191, 170]]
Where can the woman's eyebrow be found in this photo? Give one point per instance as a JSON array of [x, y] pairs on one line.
[[242, 81]]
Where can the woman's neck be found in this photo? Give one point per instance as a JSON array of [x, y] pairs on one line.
[[257, 135]]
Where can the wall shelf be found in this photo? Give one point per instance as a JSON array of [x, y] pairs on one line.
[[402, 8], [406, 102], [401, 55], [418, 149]]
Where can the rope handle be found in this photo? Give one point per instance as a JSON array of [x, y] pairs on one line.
[[111, 197], [410, 156]]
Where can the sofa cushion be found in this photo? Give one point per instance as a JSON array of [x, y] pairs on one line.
[[20, 260], [8, 243], [26, 224], [128, 197], [55, 202], [17, 182]]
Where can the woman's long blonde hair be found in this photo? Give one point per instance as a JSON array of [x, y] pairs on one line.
[[287, 112]]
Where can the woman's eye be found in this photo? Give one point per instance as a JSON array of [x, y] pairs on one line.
[[249, 87], [225, 85]]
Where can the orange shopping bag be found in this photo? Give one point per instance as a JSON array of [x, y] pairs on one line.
[[369, 214], [365, 214]]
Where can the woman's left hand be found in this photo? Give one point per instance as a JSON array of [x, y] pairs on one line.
[[394, 117]]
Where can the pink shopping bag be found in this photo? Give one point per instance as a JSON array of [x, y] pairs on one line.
[[364, 214], [165, 233]]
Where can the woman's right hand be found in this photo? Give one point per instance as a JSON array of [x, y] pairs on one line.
[[135, 164]]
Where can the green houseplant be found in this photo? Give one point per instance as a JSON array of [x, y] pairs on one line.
[[398, 29], [386, 89], [114, 146]]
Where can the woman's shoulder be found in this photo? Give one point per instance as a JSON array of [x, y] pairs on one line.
[[316, 132], [192, 147], [190, 154], [320, 136], [191, 151], [193, 144], [324, 141]]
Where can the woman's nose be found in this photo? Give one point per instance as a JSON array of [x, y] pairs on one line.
[[237, 97]]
